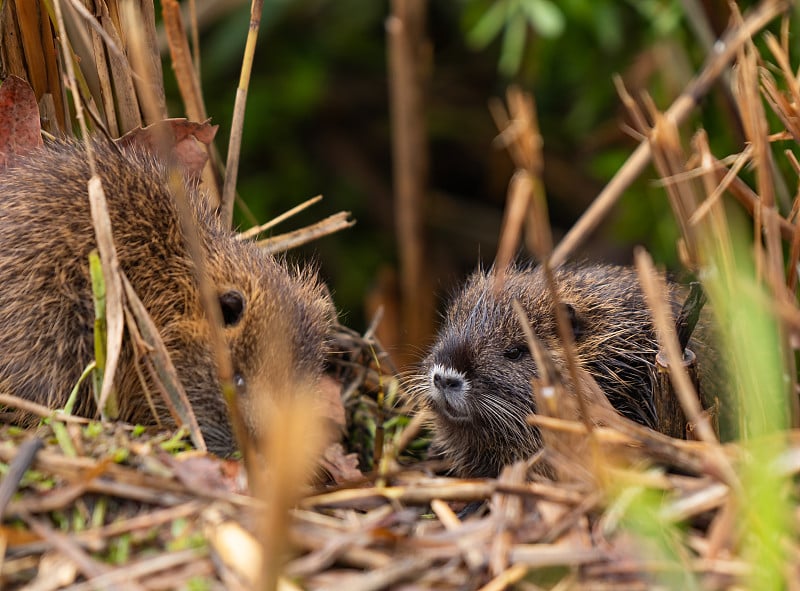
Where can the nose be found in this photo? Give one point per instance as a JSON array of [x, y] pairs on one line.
[[447, 383], [448, 391]]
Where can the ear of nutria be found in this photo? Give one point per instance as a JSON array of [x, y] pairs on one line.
[[276, 317]]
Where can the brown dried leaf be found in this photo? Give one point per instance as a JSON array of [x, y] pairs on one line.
[[342, 467], [234, 473], [175, 140], [200, 471], [20, 128]]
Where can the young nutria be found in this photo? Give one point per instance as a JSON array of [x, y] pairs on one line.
[[477, 377], [276, 319]]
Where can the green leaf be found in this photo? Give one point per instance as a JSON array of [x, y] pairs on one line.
[[544, 16], [513, 46], [608, 26], [489, 26]]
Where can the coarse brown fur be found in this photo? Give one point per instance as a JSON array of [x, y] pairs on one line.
[[46, 306], [477, 376]]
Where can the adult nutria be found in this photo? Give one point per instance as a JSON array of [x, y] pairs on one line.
[[477, 377], [276, 318]]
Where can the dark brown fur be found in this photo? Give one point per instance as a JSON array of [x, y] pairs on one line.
[[46, 309], [477, 377]]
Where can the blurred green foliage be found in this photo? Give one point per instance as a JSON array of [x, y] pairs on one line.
[[513, 18], [318, 120]]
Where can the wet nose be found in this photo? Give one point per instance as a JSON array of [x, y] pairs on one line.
[[447, 383]]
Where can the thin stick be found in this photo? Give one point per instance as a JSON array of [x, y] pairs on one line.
[[213, 313], [725, 51], [748, 198], [73, 85], [794, 250], [95, 26], [87, 565], [138, 569], [711, 201], [237, 124], [174, 394], [23, 459], [526, 203], [256, 230], [39, 410], [195, 28], [520, 194], [654, 288], [146, 72], [308, 234], [142, 67]]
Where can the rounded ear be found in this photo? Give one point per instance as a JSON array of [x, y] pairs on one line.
[[232, 304], [575, 321]]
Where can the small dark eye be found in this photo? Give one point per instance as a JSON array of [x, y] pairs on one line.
[[232, 304], [239, 383], [515, 353]]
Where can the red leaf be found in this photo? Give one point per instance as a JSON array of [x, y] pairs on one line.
[[20, 128]]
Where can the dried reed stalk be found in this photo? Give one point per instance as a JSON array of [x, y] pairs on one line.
[[237, 124], [526, 209], [409, 64]]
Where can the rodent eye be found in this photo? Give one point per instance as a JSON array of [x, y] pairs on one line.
[[239, 383], [515, 353], [232, 304]]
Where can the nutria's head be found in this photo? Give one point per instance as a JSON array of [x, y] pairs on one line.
[[276, 323], [477, 377], [276, 318]]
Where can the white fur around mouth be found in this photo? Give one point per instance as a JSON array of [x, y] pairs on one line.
[[454, 409]]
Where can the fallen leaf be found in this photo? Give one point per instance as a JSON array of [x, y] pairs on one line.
[[20, 128], [175, 140], [202, 471], [341, 467]]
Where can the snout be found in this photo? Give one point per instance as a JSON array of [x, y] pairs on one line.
[[448, 393]]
